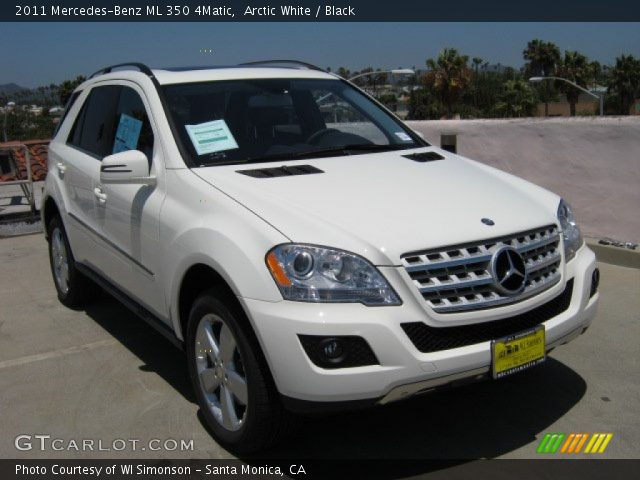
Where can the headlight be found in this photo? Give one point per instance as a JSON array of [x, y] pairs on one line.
[[570, 230], [306, 273]]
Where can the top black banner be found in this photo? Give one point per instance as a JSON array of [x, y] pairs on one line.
[[319, 11]]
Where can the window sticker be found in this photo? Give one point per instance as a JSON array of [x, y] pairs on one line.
[[127, 134], [403, 136], [210, 137]]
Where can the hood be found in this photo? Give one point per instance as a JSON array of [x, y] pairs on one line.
[[382, 205]]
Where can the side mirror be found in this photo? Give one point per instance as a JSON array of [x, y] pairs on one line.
[[130, 167]]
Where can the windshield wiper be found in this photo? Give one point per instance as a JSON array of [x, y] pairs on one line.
[[323, 152]]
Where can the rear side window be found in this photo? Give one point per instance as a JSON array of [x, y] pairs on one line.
[[72, 99], [93, 130]]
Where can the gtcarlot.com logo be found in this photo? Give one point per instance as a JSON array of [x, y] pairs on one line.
[[44, 442], [574, 443]]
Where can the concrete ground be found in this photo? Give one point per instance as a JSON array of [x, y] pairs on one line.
[[103, 375]]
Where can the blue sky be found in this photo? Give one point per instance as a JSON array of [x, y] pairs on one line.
[[39, 54]]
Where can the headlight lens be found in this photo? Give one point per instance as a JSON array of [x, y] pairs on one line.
[[570, 231], [307, 273]]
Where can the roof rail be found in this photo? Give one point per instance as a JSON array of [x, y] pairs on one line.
[[285, 62], [140, 66]]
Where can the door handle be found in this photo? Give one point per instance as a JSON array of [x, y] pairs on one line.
[[100, 195], [62, 168]]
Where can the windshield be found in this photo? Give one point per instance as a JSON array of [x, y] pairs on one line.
[[254, 120]]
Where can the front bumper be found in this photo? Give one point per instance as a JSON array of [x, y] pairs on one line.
[[403, 370]]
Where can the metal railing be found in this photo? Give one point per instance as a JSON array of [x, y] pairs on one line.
[[26, 184]]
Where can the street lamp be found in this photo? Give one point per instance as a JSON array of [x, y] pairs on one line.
[[599, 97], [398, 71], [4, 125]]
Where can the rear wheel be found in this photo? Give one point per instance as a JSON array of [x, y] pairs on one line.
[[74, 289], [231, 379]]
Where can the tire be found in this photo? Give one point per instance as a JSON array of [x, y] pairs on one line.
[[231, 379], [74, 289]]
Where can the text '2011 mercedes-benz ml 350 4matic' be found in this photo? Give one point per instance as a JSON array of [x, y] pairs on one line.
[[307, 249]]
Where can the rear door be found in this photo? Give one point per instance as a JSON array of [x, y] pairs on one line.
[[78, 163]]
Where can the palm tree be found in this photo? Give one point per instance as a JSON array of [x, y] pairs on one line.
[[576, 68], [624, 80], [595, 71], [542, 58], [477, 61], [517, 99], [449, 76]]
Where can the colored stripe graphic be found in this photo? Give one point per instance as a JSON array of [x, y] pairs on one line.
[[573, 443], [567, 443], [598, 442], [543, 443], [557, 443], [550, 443]]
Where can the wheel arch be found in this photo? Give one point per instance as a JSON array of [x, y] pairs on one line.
[[198, 278], [49, 211]]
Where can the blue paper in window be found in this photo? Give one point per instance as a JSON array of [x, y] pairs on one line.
[[127, 134]]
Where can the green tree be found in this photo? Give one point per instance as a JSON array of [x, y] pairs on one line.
[[542, 59], [574, 67], [517, 99], [344, 72], [624, 81], [449, 77], [66, 88], [424, 106]]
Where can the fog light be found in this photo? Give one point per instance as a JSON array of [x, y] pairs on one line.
[[595, 282], [332, 349], [341, 351]]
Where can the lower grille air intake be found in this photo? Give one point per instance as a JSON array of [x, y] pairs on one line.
[[434, 339]]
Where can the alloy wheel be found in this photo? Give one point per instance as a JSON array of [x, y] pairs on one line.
[[221, 373]]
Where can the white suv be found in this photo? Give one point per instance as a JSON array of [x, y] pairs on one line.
[[306, 249]]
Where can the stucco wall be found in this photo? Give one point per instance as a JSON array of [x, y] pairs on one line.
[[592, 162]]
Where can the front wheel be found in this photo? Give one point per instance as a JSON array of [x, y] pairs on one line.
[[231, 380]]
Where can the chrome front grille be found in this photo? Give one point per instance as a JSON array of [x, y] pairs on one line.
[[458, 278]]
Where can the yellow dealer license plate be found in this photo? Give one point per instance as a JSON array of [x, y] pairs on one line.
[[517, 352]]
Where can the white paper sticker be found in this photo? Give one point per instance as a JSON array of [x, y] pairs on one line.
[[210, 137], [403, 136]]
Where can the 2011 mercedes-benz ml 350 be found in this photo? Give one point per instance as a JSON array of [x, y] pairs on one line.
[[308, 250]]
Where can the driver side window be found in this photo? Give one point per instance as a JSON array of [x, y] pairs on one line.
[[338, 114]]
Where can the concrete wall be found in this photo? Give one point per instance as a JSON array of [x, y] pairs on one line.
[[592, 162]]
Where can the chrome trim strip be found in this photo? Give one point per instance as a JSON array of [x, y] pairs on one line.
[[454, 285], [543, 263], [447, 263], [410, 389], [481, 305], [541, 243]]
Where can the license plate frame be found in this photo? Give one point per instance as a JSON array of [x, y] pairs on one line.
[[529, 351]]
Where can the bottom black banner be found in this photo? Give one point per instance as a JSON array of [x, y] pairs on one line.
[[319, 469]]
